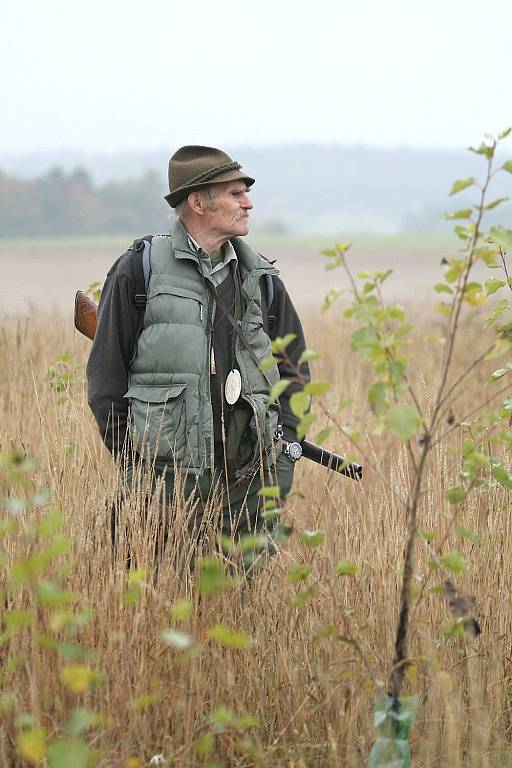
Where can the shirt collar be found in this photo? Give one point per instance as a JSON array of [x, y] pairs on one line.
[[228, 252]]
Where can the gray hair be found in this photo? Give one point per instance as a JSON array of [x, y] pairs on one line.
[[209, 194]]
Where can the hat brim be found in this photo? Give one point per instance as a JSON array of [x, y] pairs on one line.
[[173, 198]]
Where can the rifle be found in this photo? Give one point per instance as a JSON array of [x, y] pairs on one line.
[[85, 322]]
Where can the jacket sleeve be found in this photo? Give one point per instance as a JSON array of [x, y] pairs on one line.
[[287, 321], [109, 361]]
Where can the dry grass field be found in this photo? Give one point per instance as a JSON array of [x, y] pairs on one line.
[[92, 665]]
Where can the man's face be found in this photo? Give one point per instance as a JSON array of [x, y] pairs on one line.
[[227, 214]]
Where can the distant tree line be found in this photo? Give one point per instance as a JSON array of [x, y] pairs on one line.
[[61, 203]]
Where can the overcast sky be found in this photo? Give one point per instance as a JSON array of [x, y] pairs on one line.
[[109, 75]]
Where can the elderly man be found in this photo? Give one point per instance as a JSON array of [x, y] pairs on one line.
[[179, 382]]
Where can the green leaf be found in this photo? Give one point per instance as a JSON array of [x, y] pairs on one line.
[[176, 639], [7, 697], [281, 342], [64, 753], [204, 744], [80, 720], [268, 363], [463, 233], [507, 166], [50, 523], [273, 513], [304, 424], [377, 397], [442, 288], [211, 575], [488, 256], [343, 403], [461, 184], [330, 298], [324, 633], [228, 637], [323, 435], [443, 309], [503, 477], [403, 421], [453, 562], [496, 313], [269, 491], [344, 568], [277, 390], [307, 356], [312, 538], [49, 593], [505, 331], [254, 542], [181, 610], [455, 495], [474, 294], [506, 404], [463, 214], [495, 203], [32, 745], [17, 618], [363, 339], [298, 573], [454, 270], [465, 533], [493, 284], [502, 237], [303, 597], [484, 149], [317, 387], [504, 134], [78, 678], [299, 403], [498, 374]]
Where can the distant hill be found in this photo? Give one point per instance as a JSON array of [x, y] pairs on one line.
[[299, 188]]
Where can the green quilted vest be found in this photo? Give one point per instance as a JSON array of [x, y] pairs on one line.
[[169, 379]]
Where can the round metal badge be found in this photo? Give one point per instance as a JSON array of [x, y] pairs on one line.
[[233, 386]]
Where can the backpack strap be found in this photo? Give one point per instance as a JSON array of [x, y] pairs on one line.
[[269, 318], [142, 270], [141, 274], [270, 289]]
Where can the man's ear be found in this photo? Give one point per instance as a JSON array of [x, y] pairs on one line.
[[196, 202]]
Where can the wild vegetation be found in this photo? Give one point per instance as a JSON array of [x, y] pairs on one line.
[[109, 665]]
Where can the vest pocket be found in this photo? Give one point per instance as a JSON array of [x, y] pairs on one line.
[[257, 441], [159, 420]]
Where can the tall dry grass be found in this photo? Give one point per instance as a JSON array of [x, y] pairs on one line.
[[313, 696]]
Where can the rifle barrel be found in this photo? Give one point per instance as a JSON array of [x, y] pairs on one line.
[[331, 460]]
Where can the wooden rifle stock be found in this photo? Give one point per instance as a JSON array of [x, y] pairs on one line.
[[85, 322], [85, 315]]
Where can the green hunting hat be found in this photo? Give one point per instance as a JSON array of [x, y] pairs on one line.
[[195, 167]]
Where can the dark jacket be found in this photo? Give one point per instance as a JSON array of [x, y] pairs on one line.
[[116, 336]]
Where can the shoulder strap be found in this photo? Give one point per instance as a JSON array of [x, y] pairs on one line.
[[269, 317], [142, 273], [269, 285]]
